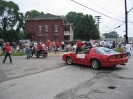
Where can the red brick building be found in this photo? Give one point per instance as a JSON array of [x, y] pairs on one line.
[[48, 27]]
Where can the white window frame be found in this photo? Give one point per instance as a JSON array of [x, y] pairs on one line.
[[55, 28], [39, 28], [46, 28], [46, 37], [56, 37], [40, 38]]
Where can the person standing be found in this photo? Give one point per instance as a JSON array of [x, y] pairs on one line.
[[128, 49], [119, 43], [8, 51], [105, 43], [113, 44], [57, 46], [62, 45], [47, 44], [27, 50]]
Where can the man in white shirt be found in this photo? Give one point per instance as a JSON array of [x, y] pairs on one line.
[[105, 43], [62, 45], [43, 46], [128, 49], [119, 43]]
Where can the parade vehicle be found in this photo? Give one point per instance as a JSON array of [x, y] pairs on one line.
[[96, 57], [35, 52]]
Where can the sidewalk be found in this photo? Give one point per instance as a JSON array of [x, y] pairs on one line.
[[57, 53]]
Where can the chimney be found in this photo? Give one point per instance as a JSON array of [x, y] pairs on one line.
[[30, 14]]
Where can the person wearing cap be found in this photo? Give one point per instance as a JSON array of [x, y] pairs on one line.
[[8, 51]]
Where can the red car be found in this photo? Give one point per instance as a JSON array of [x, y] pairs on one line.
[[96, 57]]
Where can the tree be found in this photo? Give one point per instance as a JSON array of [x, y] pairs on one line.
[[14, 35], [112, 34], [33, 13], [9, 16], [74, 17], [1, 33], [87, 29]]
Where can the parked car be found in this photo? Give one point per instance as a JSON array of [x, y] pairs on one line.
[[96, 57]]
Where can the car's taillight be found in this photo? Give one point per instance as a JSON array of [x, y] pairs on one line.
[[124, 55], [112, 57]]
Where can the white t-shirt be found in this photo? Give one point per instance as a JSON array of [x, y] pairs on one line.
[[128, 47], [35, 45], [43, 46], [119, 43], [105, 43], [62, 43]]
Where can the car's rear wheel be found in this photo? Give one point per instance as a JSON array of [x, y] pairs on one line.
[[68, 60], [95, 64], [45, 55]]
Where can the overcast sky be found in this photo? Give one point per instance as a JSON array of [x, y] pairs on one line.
[[114, 9]]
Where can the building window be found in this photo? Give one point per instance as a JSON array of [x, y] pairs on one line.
[[46, 28], [46, 37], [40, 38], [39, 28], [56, 28], [56, 37]]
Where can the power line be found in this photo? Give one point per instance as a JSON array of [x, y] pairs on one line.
[[104, 8], [97, 11], [115, 27], [115, 4], [109, 7], [111, 25]]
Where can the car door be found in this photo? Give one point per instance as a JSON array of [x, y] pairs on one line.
[[86, 60], [80, 56]]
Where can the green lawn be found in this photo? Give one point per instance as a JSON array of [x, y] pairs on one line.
[[16, 54]]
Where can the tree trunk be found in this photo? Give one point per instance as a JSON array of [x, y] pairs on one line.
[[4, 28]]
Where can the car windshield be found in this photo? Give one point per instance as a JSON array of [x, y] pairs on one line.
[[103, 50]]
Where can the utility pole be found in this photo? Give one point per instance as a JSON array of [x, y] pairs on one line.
[[98, 21], [126, 20]]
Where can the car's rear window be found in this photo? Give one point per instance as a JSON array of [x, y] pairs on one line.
[[103, 50]]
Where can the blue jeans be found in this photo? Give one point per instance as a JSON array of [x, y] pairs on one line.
[[7, 54], [27, 53], [128, 54], [78, 49]]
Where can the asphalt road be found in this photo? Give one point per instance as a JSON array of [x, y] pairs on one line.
[[50, 78]]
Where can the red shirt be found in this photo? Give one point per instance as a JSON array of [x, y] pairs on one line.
[[8, 48], [57, 43], [47, 43], [79, 44], [40, 47]]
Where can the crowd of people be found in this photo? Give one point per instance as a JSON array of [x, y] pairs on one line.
[[126, 48], [59, 46]]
